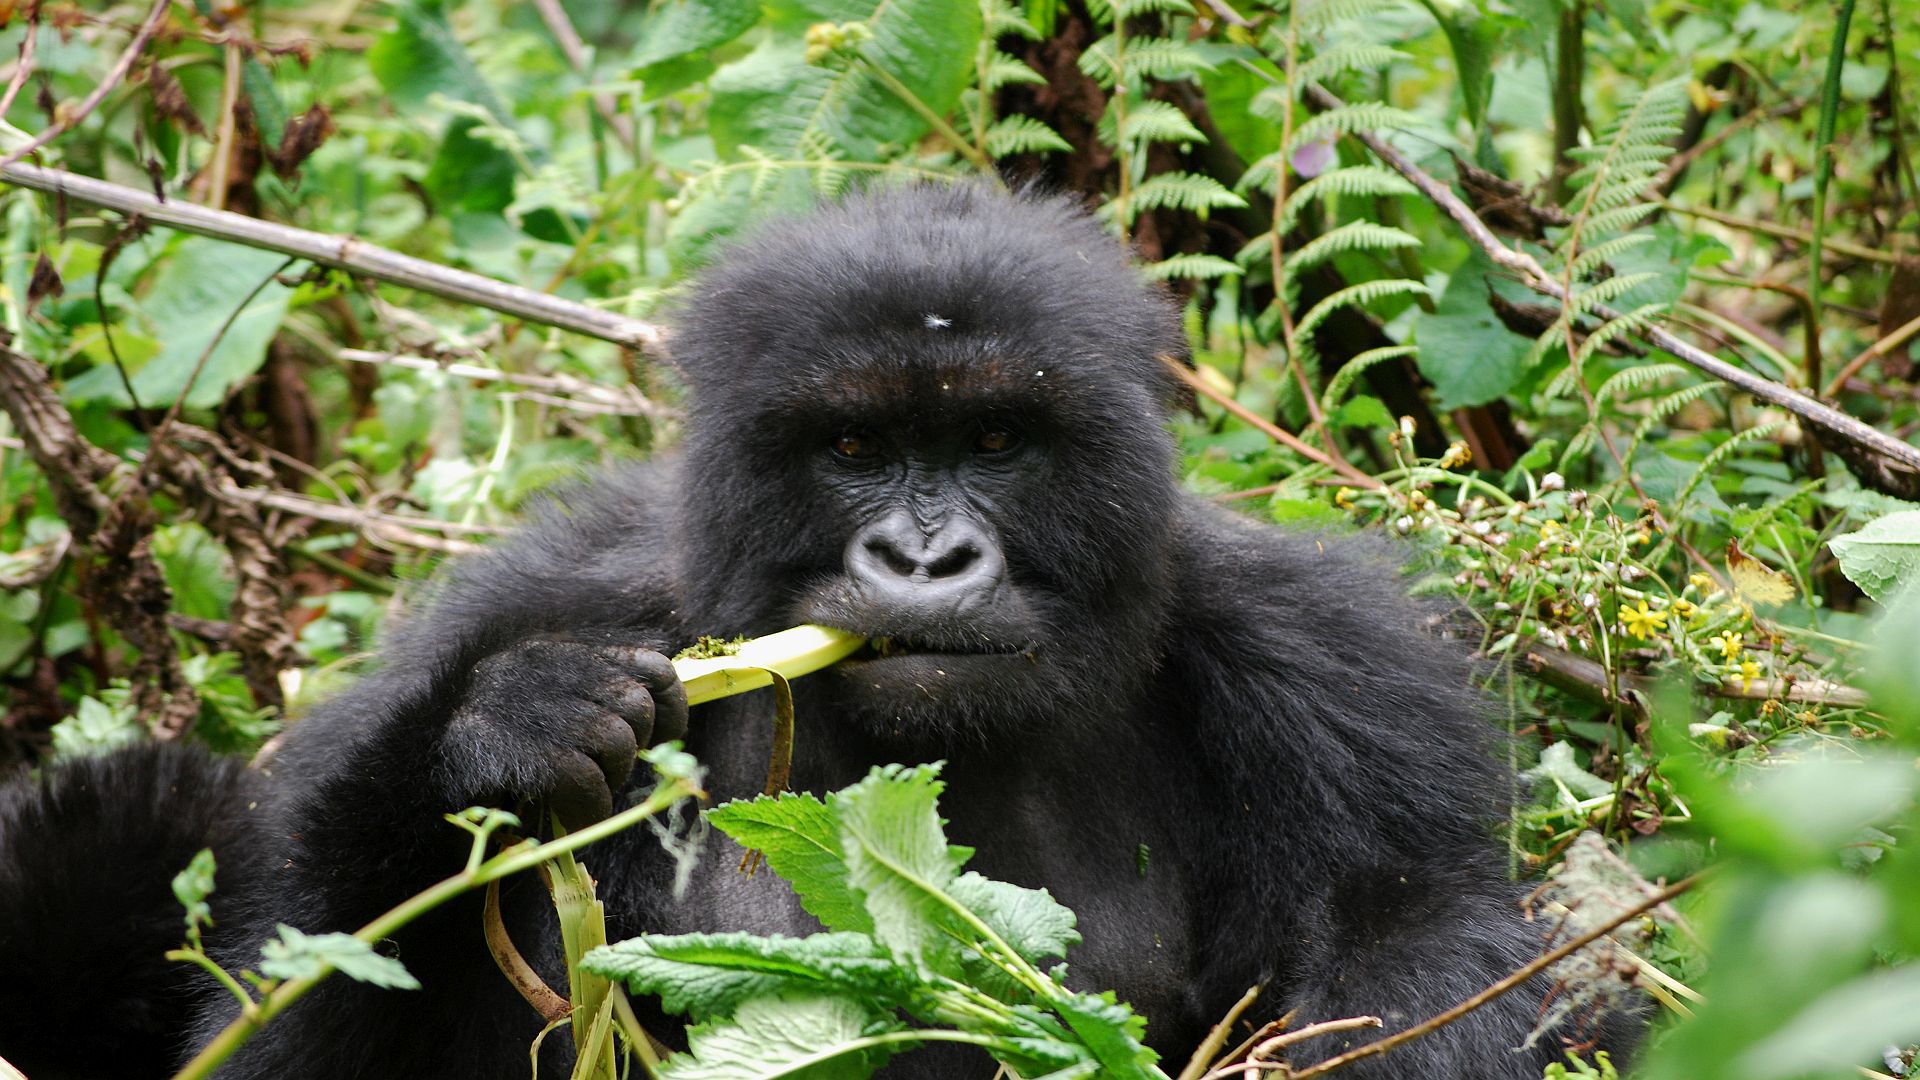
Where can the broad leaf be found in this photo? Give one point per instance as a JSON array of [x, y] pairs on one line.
[[800, 838], [1883, 558], [1465, 350], [784, 1037], [1114, 1033], [706, 975], [897, 857], [294, 955]]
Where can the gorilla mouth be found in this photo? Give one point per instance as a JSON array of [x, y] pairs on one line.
[[890, 646]]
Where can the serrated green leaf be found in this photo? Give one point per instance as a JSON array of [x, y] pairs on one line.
[[294, 955], [784, 1038], [683, 27], [897, 857], [800, 837], [1114, 1033], [1884, 557], [1030, 920], [421, 57], [708, 975]]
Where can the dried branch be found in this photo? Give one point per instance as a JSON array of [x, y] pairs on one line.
[[391, 528], [1540, 963], [623, 400], [1818, 415], [1272, 430], [24, 67], [563, 32], [350, 254], [1587, 678], [64, 121]]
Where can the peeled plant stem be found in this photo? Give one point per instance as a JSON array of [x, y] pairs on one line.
[[791, 653]]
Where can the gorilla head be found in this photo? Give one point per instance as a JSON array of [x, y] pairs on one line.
[[955, 449]]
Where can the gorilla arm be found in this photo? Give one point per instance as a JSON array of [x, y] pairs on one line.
[[1359, 783]]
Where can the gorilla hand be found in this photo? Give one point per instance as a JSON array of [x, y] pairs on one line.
[[559, 720]]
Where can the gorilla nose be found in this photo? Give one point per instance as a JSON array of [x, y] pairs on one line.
[[949, 571]]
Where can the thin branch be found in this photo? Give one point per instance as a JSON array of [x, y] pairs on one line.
[[575, 50], [1541, 963], [389, 527], [1217, 1036], [350, 254], [1885, 345], [66, 121], [1257, 1059], [1272, 430], [1781, 232], [1536, 277], [624, 400], [24, 67]]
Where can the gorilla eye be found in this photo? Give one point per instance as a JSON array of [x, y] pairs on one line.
[[995, 439], [855, 445]]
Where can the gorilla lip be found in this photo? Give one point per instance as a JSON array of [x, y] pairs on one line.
[[889, 646]]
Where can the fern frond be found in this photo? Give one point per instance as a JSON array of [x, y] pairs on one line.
[[1022, 135], [1348, 58], [1256, 250], [1618, 220], [1639, 376], [1352, 296], [1004, 70], [1633, 321], [1191, 267], [1354, 181], [1157, 58], [1666, 406], [1630, 151], [1127, 9], [1003, 18], [1577, 447], [1319, 14], [1271, 104], [1260, 175], [1349, 120], [1180, 191], [1591, 258], [1711, 463], [1601, 292], [1150, 122], [1354, 368], [1353, 236]]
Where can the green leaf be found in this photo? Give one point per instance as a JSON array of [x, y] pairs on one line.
[[784, 1037], [192, 886], [897, 856], [421, 57], [1465, 350], [95, 728], [683, 27], [1556, 763], [1883, 558], [199, 285], [1030, 920], [1023, 135], [1472, 38], [707, 975], [800, 837], [269, 115], [1114, 1033], [772, 99], [294, 955], [1843, 1027]]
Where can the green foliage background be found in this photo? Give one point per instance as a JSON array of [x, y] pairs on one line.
[[1676, 584]]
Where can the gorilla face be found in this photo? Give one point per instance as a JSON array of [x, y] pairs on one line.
[[962, 460]]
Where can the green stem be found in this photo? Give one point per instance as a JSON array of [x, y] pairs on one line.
[[1823, 149], [205, 962], [933, 119], [512, 861]]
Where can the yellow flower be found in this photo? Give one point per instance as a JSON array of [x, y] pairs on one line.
[[1457, 453], [1642, 623], [1344, 498], [1749, 671], [1729, 643], [1685, 609], [1700, 581]]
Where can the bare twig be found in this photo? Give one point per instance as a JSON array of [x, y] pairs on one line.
[[65, 121], [24, 67], [1217, 1035], [1534, 276], [392, 528], [563, 32], [1540, 963], [1269, 428], [1257, 1058], [1782, 232], [623, 400], [1588, 678], [351, 254], [1885, 345]]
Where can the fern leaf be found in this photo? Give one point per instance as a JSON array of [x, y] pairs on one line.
[[1617, 220], [1349, 58], [1191, 267], [1666, 406], [1353, 236], [1711, 463], [1591, 258], [1127, 9], [1319, 14], [1353, 296], [1632, 322], [1158, 58], [1150, 122], [1022, 135], [1004, 70], [1002, 18], [1180, 191], [1640, 376], [1354, 181], [1348, 120], [1354, 368], [1603, 291]]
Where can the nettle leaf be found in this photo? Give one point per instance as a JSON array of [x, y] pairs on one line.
[[897, 856], [1883, 558], [800, 837], [1114, 1033], [682, 27], [1030, 920], [295, 955], [781, 1037], [708, 975]]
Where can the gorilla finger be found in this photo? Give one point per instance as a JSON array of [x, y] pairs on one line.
[[612, 743], [580, 795], [629, 699], [669, 697]]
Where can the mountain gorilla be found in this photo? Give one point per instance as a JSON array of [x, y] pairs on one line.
[[932, 417]]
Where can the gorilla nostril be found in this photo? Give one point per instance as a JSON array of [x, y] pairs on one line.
[[892, 557], [955, 561]]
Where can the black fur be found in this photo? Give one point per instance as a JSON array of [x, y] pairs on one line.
[[1262, 709]]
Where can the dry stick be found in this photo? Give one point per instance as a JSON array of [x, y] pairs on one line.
[[92, 100], [624, 400], [1273, 431], [563, 32], [1782, 232], [23, 68], [350, 254], [1540, 963], [1693, 153], [1217, 1035], [1535, 277], [1255, 1059], [1879, 348]]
